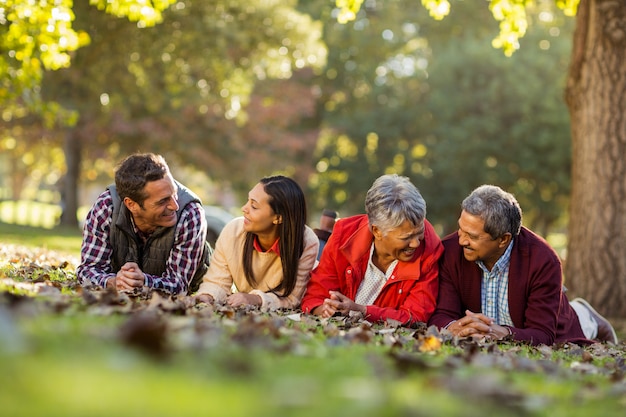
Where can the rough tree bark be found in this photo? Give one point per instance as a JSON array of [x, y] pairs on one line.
[[596, 97], [72, 151]]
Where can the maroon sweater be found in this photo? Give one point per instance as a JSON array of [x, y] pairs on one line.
[[538, 306]]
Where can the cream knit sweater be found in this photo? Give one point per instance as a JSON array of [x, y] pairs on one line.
[[227, 269]]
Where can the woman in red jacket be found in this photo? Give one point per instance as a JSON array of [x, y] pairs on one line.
[[383, 264]]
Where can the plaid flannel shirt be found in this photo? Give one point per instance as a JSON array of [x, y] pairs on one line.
[[495, 289], [183, 260]]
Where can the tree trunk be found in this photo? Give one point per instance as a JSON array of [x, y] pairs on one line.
[[72, 151], [596, 97]]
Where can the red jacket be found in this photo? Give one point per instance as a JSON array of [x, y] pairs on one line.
[[538, 306], [408, 296]]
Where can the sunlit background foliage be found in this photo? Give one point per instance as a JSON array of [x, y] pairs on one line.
[[231, 91]]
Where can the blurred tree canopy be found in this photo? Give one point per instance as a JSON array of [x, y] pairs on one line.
[[512, 15], [504, 117], [435, 102], [40, 36], [179, 88], [595, 91], [36, 38], [334, 94], [284, 87]]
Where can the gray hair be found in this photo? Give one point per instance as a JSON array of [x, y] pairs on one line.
[[498, 209], [393, 199]]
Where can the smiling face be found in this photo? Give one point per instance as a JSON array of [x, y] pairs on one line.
[[477, 244], [259, 218], [398, 243], [159, 208]]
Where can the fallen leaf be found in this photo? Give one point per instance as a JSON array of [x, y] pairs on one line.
[[147, 332]]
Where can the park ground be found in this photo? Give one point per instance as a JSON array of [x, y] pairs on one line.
[[72, 351]]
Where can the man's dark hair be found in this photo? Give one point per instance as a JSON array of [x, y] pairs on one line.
[[135, 172]]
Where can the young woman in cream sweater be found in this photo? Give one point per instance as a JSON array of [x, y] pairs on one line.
[[265, 257]]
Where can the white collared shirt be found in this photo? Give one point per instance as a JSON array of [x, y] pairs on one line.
[[373, 281]]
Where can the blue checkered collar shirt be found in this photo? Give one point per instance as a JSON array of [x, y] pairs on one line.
[[495, 289]]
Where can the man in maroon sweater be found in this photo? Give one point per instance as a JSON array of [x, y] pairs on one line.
[[497, 278]]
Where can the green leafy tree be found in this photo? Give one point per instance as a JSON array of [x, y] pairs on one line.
[[496, 119], [40, 36], [368, 90], [35, 38], [180, 89], [450, 113], [595, 91]]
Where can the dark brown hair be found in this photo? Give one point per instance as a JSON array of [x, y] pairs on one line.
[[135, 172], [287, 200]]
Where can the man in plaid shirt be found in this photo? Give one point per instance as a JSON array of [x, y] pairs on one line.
[[147, 230]]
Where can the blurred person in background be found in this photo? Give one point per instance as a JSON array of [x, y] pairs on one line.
[[327, 223]]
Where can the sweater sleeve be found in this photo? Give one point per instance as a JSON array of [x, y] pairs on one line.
[[450, 306], [543, 302], [218, 279], [323, 277], [96, 251], [272, 301]]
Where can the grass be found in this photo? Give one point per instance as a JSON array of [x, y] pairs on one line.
[[62, 356], [66, 240], [30, 213], [75, 365]]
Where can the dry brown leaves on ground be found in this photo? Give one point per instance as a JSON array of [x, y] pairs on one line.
[[159, 325]]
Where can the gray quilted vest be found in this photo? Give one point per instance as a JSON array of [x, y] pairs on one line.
[[151, 256]]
